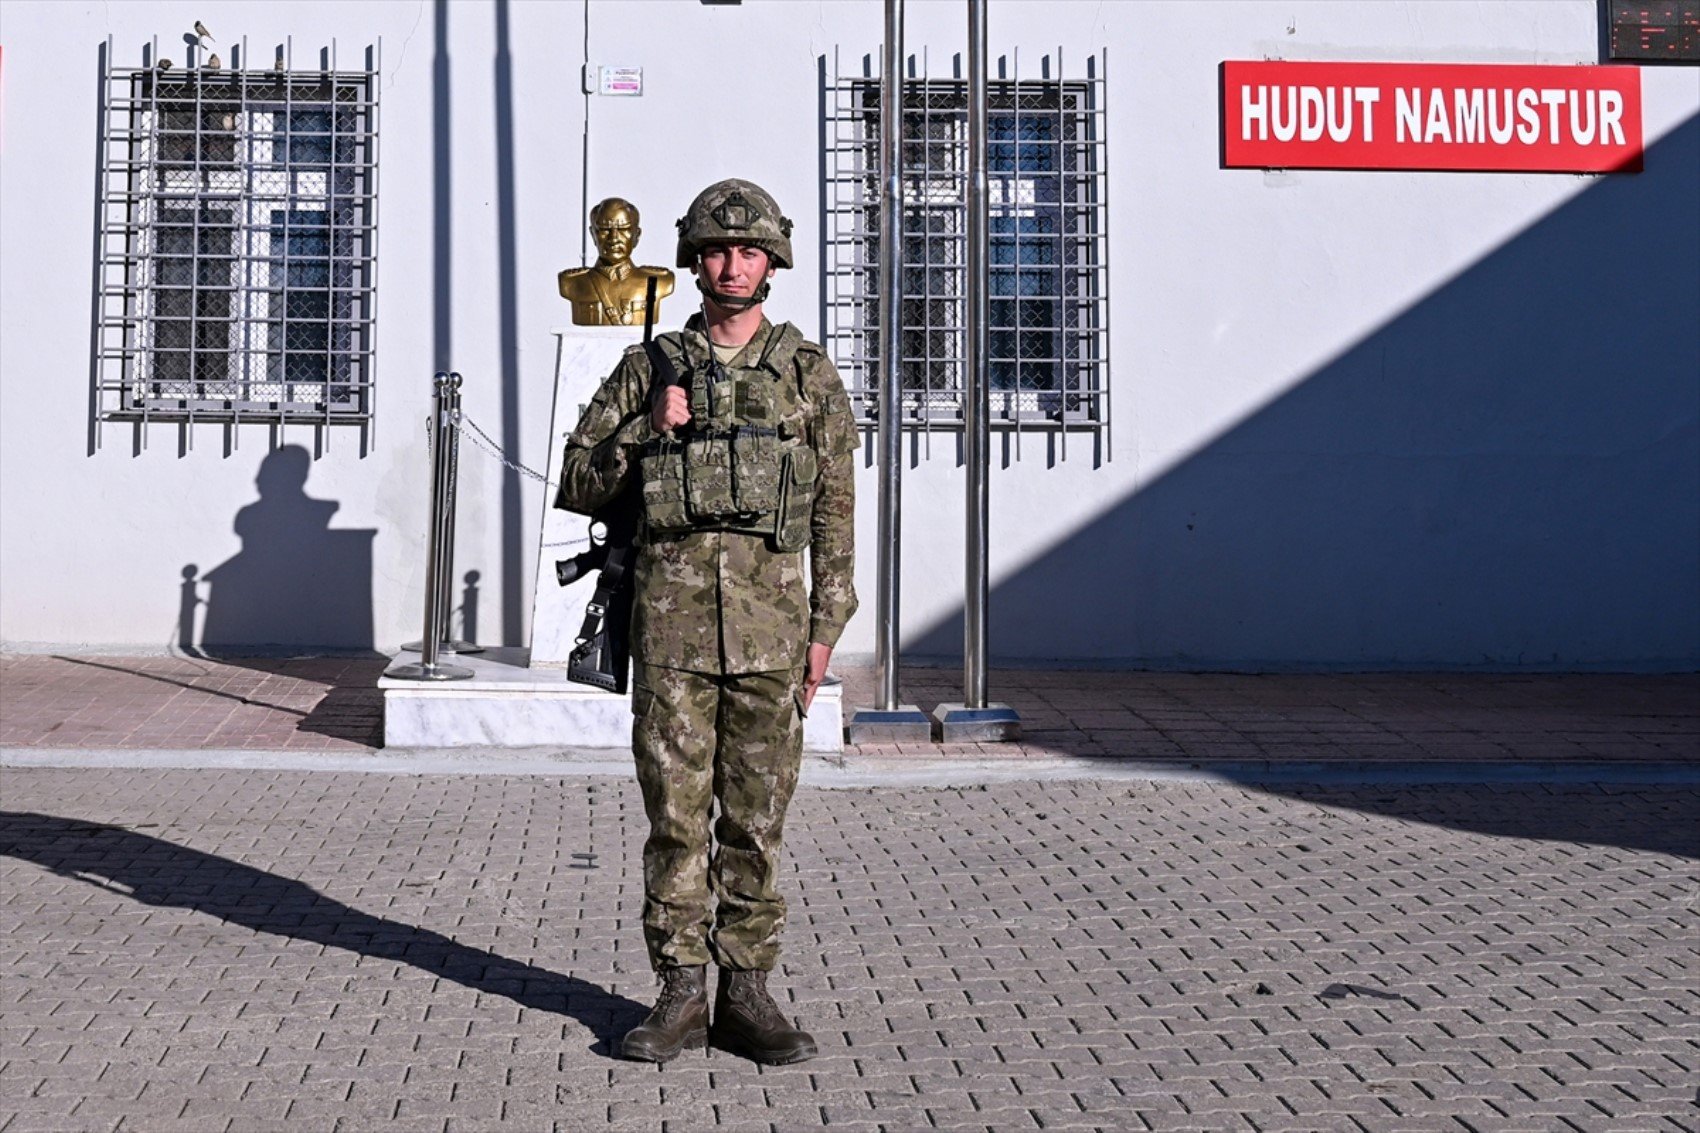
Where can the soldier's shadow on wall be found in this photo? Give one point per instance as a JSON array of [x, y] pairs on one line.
[[296, 586], [296, 583]]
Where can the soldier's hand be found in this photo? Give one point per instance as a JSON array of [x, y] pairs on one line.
[[671, 409], [815, 672]]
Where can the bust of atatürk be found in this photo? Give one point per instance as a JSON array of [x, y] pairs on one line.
[[611, 291]]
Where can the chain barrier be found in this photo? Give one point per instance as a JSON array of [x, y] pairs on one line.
[[482, 440]]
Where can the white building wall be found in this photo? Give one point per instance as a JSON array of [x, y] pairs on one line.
[[1344, 435]]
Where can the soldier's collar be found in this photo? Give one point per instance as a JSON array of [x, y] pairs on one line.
[[751, 352]]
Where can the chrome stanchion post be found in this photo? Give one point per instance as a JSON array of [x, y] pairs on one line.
[[428, 668], [445, 447], [448, 643], [887, 719], [975, 719]]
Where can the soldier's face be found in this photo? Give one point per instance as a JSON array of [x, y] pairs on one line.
[[734, 269]]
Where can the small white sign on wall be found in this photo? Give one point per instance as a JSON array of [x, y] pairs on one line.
[[626, 82]]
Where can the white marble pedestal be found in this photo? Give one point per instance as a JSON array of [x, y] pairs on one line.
[[510, 703], [521, 697], [583, 357]]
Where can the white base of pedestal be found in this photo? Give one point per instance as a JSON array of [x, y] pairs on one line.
[[507, 704], [583, 357]]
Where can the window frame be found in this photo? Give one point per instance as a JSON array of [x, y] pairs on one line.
[[236, 258], [1049, 218]]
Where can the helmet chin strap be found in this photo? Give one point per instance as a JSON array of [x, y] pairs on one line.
[[734, 302]]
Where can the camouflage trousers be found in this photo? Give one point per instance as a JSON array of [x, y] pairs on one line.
[[703, 739]]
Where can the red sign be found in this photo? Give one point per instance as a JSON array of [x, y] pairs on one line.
[[1280, 115]]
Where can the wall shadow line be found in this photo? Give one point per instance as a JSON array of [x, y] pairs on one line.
[[1501, 476]]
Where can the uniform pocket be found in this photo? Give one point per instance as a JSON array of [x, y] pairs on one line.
[[797, 500], [643, 699]]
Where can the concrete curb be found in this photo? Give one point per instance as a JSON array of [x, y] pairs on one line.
[[842, 772]]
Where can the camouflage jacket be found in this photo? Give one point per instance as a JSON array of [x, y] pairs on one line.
[[723, 601]]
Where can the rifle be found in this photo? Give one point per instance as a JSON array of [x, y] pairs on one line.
[[602, 655]]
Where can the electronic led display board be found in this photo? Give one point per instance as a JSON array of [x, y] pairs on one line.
[[1654, 31]]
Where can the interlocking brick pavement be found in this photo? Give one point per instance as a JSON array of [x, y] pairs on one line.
[[255, 950], [1316, 716], [332, 704], [265, 704]]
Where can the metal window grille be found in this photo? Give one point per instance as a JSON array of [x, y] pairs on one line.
[[237, 254], [1049, 254]]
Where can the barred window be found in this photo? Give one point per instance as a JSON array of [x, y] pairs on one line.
[[1049, 340], [238, 242]]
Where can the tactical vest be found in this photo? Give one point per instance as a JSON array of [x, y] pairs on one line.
[[744, 462]]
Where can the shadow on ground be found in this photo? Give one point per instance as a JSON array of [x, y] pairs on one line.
[[1403, 745], [1645, 819], [351, 708], [161, 873]]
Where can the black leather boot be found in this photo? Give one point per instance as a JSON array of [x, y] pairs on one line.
[[748, 1022], [678, 1022]]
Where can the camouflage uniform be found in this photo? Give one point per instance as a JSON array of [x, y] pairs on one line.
[[720, 630]]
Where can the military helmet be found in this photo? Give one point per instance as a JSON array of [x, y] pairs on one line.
[[734, 212]]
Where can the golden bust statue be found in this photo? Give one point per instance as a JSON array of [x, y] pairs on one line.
[[611, 292]]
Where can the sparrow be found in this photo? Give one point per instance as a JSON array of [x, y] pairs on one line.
[[201, 30], [212, 63]]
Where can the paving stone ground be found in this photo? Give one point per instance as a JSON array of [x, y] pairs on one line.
[[257, 950], [195, 703], [331, 704]]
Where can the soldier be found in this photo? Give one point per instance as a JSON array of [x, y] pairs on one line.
[[743, 467]]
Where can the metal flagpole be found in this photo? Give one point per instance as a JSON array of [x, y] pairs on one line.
[[976, 719], [977, 441], [889, 720]]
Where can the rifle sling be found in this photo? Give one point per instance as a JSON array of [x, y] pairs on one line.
[[661, 369], [607, 586]]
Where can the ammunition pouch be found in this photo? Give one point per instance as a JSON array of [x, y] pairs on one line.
[[744, 478], [742, 464], [663, 468]]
